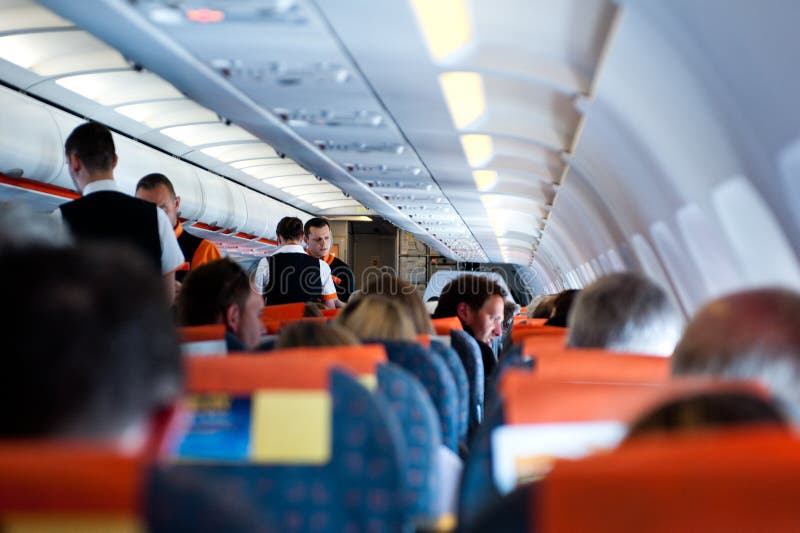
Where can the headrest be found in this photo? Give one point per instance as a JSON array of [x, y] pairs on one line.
[[295, 368], [283, 312], [523, 331], [207, 332], [601, 366], [721, 481], [442, 326]]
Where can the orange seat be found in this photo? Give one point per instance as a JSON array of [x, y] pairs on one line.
[[715, 482], [601, 366], [68, 485], [530, 400], [295, 368], [330, 313], [207, 332], [283, 312], [442, 326], [524, 331]]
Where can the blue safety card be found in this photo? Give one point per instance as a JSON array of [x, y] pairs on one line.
[[219, 429]]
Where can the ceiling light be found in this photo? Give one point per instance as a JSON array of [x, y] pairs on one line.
[[485, 180], [359, 218], [445, 24], [239, 152], [164, 114], [55, 53], [478, 149], [275, 171], [200, 134], [118, 88], [291, 181], [463, 92]]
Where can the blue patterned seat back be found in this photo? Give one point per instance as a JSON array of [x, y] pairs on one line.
[[419, 423], [477, 490], [451, 359], [357, 490], [434, 375], [470, 354]]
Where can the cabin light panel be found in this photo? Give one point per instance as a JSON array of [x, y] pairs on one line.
[[464, 94], [445, 24]]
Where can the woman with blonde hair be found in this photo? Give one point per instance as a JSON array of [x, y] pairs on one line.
[[376, 317], [406, 295]]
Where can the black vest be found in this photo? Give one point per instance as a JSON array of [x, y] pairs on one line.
[[189, 245], [114, 216], [341, 270], [293, 277]]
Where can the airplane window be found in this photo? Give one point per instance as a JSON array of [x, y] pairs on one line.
[[754, 234], [684, 274], [651, 266], [707, 247]]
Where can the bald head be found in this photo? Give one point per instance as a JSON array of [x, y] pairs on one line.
[[750, 334]]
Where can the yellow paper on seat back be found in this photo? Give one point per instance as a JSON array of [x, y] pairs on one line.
[[291, 427], [70, 523]]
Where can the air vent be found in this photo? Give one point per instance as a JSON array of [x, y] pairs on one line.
[[383, 148], [299, 118], [406, 170], [281, 72]]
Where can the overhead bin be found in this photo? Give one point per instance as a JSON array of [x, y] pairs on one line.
[[34, 135]]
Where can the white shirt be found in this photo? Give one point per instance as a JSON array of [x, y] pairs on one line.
[[262, 270], [171, 255]]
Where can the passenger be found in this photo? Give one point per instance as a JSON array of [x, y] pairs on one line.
[[315, 334], [752, 334], [510, 310], [22, 226], [707, 410], [478, 302], [157, 189], [541, 306], [317, 232], [104, 213], [562, 304], [292, 275], [406, 295], [219, 292], [624, 312], [90, 350], [376, 317]]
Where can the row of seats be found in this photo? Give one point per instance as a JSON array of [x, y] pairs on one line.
[[350, 438]]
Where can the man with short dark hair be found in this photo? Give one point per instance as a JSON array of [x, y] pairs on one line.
[[752, 334], [158, 189], [478, 302], [219, 292], [319, 240], [90, 350], [624, 312], [104, 213], [293, 275]]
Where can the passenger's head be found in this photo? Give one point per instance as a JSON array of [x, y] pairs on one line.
[[376, 317], [707, 410], [90, 151], [542, 307], [157, 189], [406, 295], [749, 335], [317, 232], [313, 333], [478, 302], [290, 230], [624, 312], [22, 226], [219, 292], [562, 304], [89, 350]]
